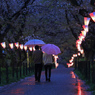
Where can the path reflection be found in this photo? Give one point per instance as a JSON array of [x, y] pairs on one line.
[[30, 81], [73, 75], [80, 89], [18, 91], [24, 87]]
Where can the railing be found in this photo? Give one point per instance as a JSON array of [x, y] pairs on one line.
[[87, 69], [20, 66], [10, 74], [14, 73]]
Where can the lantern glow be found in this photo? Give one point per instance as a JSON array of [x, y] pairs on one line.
[[82, 51], [83, 33], [78, 54], [86, 20], [71, 60], [21, 46], [92, 15], [85, 27], [70, 64], [17, 44], [30, 48], [78, 47], [78, 42], [25, 48], [11, 45], [55, 60], [74, 55], [33, 48], [81, 38], [3, 44]]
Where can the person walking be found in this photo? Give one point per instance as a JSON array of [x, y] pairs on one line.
[[37, 59], [47, 60]]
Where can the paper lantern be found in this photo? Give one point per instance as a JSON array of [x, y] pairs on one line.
[[85, 27], [83, 33], [74, 55], [86, 20], [21, 46], [78, 42], [30, 48], [11, 45], [3, 44], [78, 54], [71, 60], [17, 44], [81, 38], [25, 48], [33, 48], [92, 16]]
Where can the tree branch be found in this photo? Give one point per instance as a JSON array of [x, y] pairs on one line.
[[15, 16], [74, 34], [75, 2], [92, 2]]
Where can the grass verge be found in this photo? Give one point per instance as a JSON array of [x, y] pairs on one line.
[[91, 85]]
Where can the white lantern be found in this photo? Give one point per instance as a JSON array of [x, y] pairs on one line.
[[30, 48], [21, 46], [11, 45], [25, 48], [92, 16], [17, 44], [3, 44], [86, 21]]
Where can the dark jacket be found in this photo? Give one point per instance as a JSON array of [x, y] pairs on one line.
[[37, 57]]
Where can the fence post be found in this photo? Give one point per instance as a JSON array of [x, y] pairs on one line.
[[29, 67], [1, 60], [86, 69], [75, 65], [92, 71], [23, 69], [13, 70], [7, 78], [17, 72], [26, 68], [20, 69], [0, 73], [89, 70], [78, 66]]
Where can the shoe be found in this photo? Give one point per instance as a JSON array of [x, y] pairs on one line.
[[46, 79], [38, 80]]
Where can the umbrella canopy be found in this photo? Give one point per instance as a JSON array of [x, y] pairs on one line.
[[34, 42], [51, 49]]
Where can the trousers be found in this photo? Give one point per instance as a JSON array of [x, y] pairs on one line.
[[38, 69], [48, 71]]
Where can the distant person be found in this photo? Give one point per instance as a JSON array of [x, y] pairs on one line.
[[37, 59], [47, 60]]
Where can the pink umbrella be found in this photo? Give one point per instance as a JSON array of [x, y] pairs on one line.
[[51, 49]]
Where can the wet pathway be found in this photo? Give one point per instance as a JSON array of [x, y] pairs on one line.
[[63, 82]]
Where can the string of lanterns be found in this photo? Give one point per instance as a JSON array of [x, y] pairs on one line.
[[17, 45], [81, 38], [21, 46]]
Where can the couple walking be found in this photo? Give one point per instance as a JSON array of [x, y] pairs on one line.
[[39, 58]]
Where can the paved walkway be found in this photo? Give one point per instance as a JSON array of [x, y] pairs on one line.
[[63, 82]]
